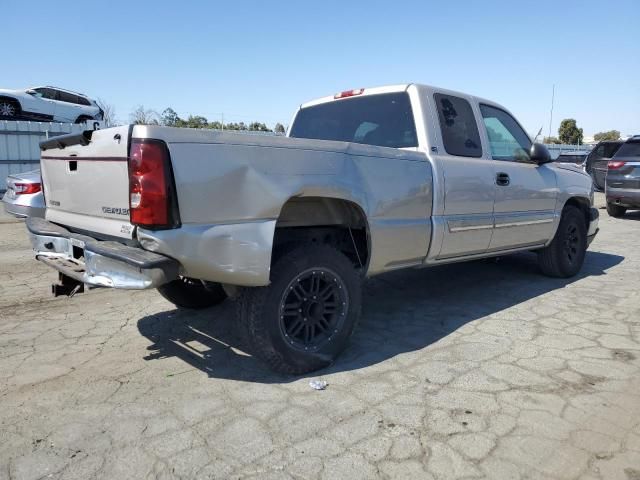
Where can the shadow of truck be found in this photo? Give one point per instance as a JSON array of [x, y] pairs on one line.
[[402, 311]]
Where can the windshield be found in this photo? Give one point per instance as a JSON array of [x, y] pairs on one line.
[[385, 120]]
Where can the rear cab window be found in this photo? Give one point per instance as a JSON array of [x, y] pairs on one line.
[[384, 119]]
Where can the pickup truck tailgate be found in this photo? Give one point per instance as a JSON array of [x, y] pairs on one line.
[[86, 182]]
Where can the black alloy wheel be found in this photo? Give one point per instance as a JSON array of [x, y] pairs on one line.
[[313, 308]]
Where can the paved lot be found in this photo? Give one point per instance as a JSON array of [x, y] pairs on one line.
[[474, 370]]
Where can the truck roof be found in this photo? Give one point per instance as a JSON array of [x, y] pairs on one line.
[[391, 89]]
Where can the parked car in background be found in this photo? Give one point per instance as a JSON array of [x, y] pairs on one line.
[[367, 181], [24, 197], [575, 158], [623, 179], [48, 104], [596, 164]]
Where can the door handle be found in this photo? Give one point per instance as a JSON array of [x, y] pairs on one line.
[[502, 179]]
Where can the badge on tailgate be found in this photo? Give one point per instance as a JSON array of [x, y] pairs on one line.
[[115, 210]]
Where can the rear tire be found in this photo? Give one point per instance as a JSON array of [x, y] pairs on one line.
[[191, 293], [564, 256], [616, 211], [304, 319]]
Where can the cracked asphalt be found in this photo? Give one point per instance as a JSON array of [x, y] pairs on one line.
[[477, 370]]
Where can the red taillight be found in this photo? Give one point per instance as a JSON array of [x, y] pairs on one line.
[[349, 93], [151, 197], [26, 188], [614, 165]]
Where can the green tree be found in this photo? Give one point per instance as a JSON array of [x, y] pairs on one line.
[[551, 140], [235, 126], [569, 132], [258, 127], [279, 128], [197, 121], [169, 117], [610, 135]]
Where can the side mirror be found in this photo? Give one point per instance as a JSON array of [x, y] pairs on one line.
[[32, 92], [539, 154]]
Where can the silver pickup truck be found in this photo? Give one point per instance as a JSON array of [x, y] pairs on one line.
[[367, 181]]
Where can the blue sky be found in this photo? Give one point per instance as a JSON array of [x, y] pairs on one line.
[[259, 60]]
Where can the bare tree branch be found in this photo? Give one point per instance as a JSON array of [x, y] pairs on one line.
[[141, 116], [109, 113]]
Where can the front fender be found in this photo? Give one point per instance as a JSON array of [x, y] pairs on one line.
[[572, 186]]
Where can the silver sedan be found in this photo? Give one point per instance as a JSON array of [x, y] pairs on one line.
[[24, 197]]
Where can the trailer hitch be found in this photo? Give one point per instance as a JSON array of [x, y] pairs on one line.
[[66, 286]]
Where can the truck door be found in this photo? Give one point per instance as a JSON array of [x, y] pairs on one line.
[[469, 180], [525, 192]]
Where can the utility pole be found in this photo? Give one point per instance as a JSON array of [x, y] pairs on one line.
[[553, 94], [222, 121]]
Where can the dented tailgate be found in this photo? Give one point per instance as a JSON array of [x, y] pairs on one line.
[[86, 182]]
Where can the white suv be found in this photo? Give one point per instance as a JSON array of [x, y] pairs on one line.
[[48, 104]]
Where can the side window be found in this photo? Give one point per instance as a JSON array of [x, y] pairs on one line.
[[46, 93], [458, 126], [599, 152], [507, 139], [82, 101], [67, 97], [610, 149]]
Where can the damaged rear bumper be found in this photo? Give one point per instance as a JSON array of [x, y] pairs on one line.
[[99, 263]]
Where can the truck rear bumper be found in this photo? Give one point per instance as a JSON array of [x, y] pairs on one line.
[[99, 263]]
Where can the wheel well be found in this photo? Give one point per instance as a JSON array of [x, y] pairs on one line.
[[583, 205], [336, 222], [11, 100], [82, 118]]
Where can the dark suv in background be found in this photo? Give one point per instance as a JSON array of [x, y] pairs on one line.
[[596, 163], [623, 178]]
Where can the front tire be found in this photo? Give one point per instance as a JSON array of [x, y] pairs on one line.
[[191, 293], [616, 211], [564, 256], [304, 319], [9, 109]]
